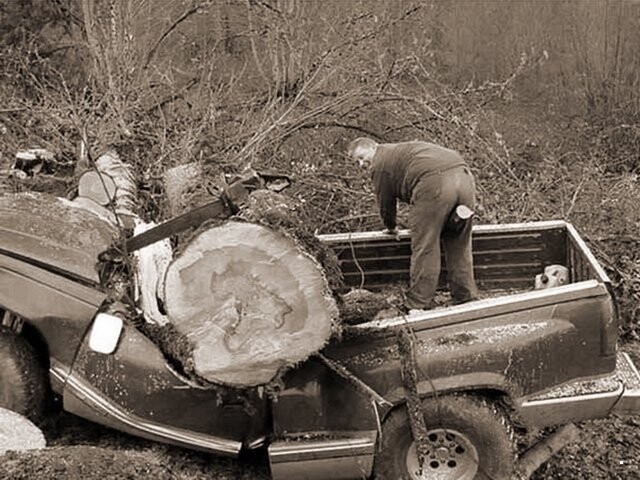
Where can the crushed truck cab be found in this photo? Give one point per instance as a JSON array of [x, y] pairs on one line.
[[519, 358]]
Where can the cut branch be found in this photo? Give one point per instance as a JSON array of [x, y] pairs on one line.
[[546, 448]]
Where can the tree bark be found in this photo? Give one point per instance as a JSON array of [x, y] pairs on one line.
[[178, 182], [111, 182], [151, 265]]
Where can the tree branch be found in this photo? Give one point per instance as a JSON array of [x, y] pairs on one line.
[[194, 8]]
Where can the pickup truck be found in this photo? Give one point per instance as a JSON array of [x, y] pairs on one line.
[[517, 360]]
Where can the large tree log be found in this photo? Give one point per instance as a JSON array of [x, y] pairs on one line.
[[250, 300]]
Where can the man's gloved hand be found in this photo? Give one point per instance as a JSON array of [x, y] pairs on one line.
[[390, 231]]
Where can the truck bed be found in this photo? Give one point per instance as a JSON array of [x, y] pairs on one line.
[[514, 338], [550, 354], [506, 257]]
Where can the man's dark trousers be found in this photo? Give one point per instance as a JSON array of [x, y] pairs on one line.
[[433, 199]]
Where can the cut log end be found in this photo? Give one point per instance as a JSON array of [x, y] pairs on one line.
[[97, 186], [250, 301], [112, 182]]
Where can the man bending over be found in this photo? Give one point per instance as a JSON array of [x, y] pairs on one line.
[[435, 181]]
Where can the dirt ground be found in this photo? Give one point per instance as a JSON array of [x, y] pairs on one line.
[[608, 449], [78, 449]]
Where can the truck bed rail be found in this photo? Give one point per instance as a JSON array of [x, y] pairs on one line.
[[504, 255]]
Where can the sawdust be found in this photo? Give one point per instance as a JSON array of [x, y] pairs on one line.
[[360, 306]]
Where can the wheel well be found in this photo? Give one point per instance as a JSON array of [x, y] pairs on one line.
[[475, 415], [500, 397], [32, 335], [39, 344]]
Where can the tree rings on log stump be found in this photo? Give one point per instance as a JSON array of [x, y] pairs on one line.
[[17, 433], [250, 300], [97, 186]]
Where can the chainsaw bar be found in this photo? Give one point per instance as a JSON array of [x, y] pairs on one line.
[[222, 207]]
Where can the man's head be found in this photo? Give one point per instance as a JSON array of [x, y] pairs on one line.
[[362, 149]]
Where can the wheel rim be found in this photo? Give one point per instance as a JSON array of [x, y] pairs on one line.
[[451, 455]]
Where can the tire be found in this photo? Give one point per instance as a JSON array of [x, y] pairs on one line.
[[23, 382], [468, 439]]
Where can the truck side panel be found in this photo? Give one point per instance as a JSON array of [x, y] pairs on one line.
[[135, 390], [518, 345]]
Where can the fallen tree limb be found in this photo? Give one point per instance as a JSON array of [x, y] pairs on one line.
[[111, 183], [542, 451]]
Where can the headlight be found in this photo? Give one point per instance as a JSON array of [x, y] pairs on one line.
[[105, 333]]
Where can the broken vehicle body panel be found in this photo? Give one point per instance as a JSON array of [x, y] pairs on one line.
[[59, 309], [521, 347], [135, 390]]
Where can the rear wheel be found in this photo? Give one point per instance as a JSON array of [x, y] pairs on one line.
[[23, 384], [467, 439]]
